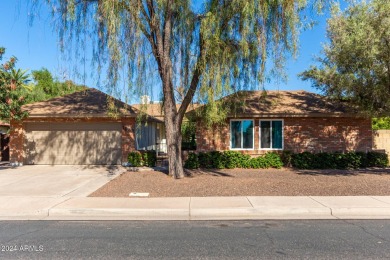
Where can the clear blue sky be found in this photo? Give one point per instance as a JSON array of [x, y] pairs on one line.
[[36, 46]]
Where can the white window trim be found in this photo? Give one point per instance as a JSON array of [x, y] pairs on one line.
[[242, 138], [270, 120]]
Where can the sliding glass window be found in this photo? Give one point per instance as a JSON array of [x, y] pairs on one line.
[[271, 134], [241, 134]]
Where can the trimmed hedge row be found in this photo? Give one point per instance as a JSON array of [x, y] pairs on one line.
[[137, 159], [349, 160], [305, 160], [232, 159]]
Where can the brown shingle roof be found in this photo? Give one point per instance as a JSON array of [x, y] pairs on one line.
[[89, 102], [157, 110], [288, 103]]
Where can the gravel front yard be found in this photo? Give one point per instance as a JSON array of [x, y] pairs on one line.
[[250, 182]]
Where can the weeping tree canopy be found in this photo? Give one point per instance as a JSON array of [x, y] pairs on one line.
[[192, 49], [221, 45], [356, 62]]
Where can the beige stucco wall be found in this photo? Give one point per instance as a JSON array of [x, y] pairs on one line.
[[18, 134], [382, 140]]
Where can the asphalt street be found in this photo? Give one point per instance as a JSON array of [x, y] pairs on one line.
[[303, 239]]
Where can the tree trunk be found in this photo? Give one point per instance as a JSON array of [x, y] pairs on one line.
[[173, 135]]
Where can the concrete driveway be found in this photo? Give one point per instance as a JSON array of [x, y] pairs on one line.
[[31, 190], [53, 181]]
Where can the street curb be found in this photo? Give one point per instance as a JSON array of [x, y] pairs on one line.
[[260, 213], [199, 208], [120, 214]]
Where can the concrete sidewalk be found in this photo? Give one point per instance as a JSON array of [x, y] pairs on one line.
[[60, 193], [194, 208]]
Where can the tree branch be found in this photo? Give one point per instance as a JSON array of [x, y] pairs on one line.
[[194, 81]]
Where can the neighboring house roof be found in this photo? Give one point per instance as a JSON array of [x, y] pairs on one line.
[[157, 110], [89, 102], [286, 103]]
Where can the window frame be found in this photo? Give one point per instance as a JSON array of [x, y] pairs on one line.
[[270, 120], [242, 135]]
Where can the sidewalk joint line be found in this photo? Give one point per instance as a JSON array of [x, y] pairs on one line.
[[330, 209], [88, 183], [372, 197], [48, 210], [189, 209], [249, 201]]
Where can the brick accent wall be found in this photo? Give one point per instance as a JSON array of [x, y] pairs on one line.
[[17, 134], [16, 142], [315, 134], [128, 137]]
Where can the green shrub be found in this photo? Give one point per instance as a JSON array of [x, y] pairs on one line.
[[135, 159], [211, 160], [234, 159], [217, 160], [364, 159], [231, 160], [375, 159], [302, 160], [149, 158], [258, 163], [349, 160], [274, 160], [188, 131], [204, 160], [192, 162], [324, 161], [268, 160]]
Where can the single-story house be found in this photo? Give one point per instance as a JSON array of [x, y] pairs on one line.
[[82, 128], [296, 121], [4, 141], [79, 128]]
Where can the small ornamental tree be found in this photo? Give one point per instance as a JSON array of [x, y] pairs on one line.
[[190, 48], [11, 80]]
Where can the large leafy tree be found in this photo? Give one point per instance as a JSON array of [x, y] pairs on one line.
[[44, 80], [11, 82], [46, 86], [194, 48], [356, 61]]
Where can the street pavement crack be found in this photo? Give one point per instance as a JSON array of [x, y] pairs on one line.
[[366, 231], [24, 234]]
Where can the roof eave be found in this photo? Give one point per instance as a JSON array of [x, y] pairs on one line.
[[274, 115], [77, 116]]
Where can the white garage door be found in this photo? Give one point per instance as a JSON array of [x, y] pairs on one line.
[[73, 143]]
